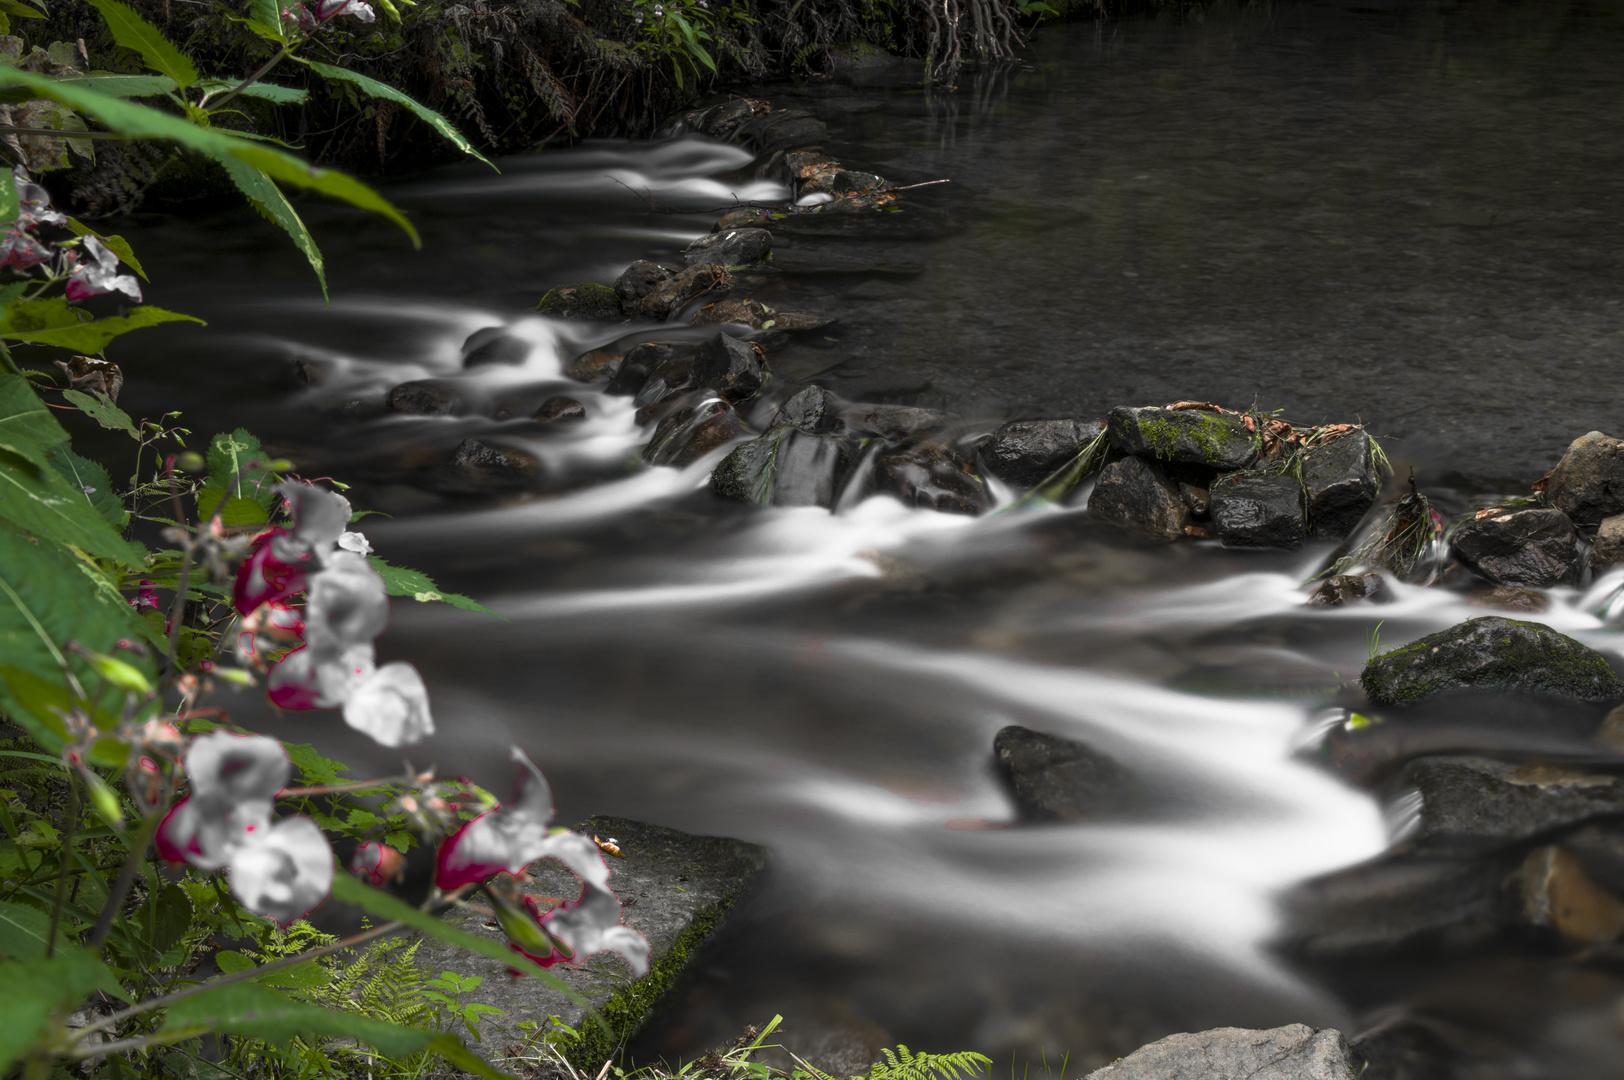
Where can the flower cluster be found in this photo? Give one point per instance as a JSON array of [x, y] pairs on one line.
[[308, 20], [280, 870], [346, 609], [496, 846], [20, 249]]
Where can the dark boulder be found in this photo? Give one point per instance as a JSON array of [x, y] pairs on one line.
[[1259, 509], [425, 397], [783, 129], [757, 316], [733, 247], [1185, 436], [588, 300], [1588, 483], [812, 409], [1558, 894], [1490, 653], [1481, 803], [638, 280], [1536, 548], [855, 181], [1198, 499], [597, 365], [730, 366], [786, 467], [559, 408], [1134, 494], [679, 290], [748, 217], [894, 421], [1055, 779], [1345, 589], [309, 372], [933, 476], [687, 434], [1294, 1052], [1608, 550], [493, 345], [1023, 453], [1513, 598], [642, 360], [480, 468], [1342, 477], [723, 119]]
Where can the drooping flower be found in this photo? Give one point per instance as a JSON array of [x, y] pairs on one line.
[[332, 9], [146, 596], [100, 275], [378, 864], [571, 931], [34, 202], [392, 705], [286, 873]]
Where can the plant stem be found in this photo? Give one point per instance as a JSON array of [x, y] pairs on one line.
[[177, 610], [140, 1042], [69, 827], [264, 69], [335, 789], [59, 133], [126, 877]]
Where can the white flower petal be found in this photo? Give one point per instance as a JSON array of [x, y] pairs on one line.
[[319, 519], [284, 874], [356, 542], [392, 706], [592, 925], [237, 768], [348, 603]]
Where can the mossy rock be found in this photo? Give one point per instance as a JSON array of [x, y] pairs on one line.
[[588, 300], [1490, 653], [676, 887], [1184, 436]]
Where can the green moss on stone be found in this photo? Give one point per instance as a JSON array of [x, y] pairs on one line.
[[1490, 653], [587, 300]]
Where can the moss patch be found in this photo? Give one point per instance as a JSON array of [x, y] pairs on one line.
[[1490, 653], [587, 300]]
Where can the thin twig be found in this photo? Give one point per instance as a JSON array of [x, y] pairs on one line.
[[264, 69], [126, 877], [60, 133], [69, 828]]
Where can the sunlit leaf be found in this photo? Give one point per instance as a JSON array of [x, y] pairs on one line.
[[103, 411], [402, 581], [133, 32], [282, 95], [116, 244], [93, 336]]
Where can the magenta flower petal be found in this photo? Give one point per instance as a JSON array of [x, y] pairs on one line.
[[265, 578], [176, 838], [508, 838], [586, 926], [100, 275]]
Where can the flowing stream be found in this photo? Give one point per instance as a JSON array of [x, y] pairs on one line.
[[1401, 213]]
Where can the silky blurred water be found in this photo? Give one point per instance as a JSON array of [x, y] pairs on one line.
[[1405, 213]]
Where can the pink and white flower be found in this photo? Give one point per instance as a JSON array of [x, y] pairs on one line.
[[100, 275], [377, 864]]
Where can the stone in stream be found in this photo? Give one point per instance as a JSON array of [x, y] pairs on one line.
[[1198, 499], [786, 467], [730, 366], [1608, 550], [559, 408], [1184, 436], [596, 365], [641, 360], [748, 217], [480, 468], [493, 345], [678, 290], [638, 280], [1022, 453], [425, 397], [933, 476], [1536, 548], [725, 364], [1293, 1052], [721, 120], [1133, 494], [1055, 779], [894, 421], [757, 316], [1342, 478], [811, 409], [1477, 804], [1490, 653], [783, 129], [588, 300], [1345, 589], [1513, 598], [688, 433], [1259, 508], [675, 888], [1558, 895], [1588, 483], [733, 247]]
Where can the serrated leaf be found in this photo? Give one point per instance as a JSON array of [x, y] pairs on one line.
[[169, 916], [239, 468], [116, 244], [135, 121], [267, 13], [125, 86], [19, 10], [314, 768], [22, 931], [24, 417], [265, 197], [44, 597], [233, 512], [92, 479], [93, 336], [385, 92], [52, 509], [281, 95], [100, 409], [402, 581], [133, 32]]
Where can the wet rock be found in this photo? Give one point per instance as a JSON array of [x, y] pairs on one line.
[[559, 408], [1404, 1047], [675, 888], [480, 468], [758, 316], [1599, 848], [1134, 494], [1293, 1052], [748, 217], [1198, 499], [783, 129], [309, 372], [1557, 894], [1055, 779], [588, 300], [1345, 589], [1342, 479], [812, 409], [493, 345], [638, 280], [786, 467], [894, 421], [1259, 509], [1608, 549], [734, 247], [678, 290], [1186, 436], [729, 366], [1588, 483], [1490, 653], [721, 120], [1512, 598], [933, 476], [641, 360], [801, 165], [1023, 453], [689, 433], [598, 365], [1476, 804], [855, 181], [425, 397], [1536, 547]]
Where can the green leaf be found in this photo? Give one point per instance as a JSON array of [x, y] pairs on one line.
[[51, 508], [18, 10], [133, 32], [233, 512], [239, 468], [23, 416], [169, 917], [267, 14], [22, 931], [268, 200], [135, 121], [9, 201], [232, 962], [90, 478], [100, 409], [125, 86], [37, 705], [116, 244], [417, 585], [385, 92], [92, 337], [282, 95], [314, 769], [31, 990]]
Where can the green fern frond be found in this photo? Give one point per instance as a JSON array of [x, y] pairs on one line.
[[905, 1064]]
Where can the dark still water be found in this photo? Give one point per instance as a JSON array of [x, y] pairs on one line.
[[1407, 214]]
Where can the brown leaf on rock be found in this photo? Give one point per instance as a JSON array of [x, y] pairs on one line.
[[92, 376]]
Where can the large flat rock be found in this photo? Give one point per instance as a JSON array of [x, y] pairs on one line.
[[1293, 1052], [675, 888]]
